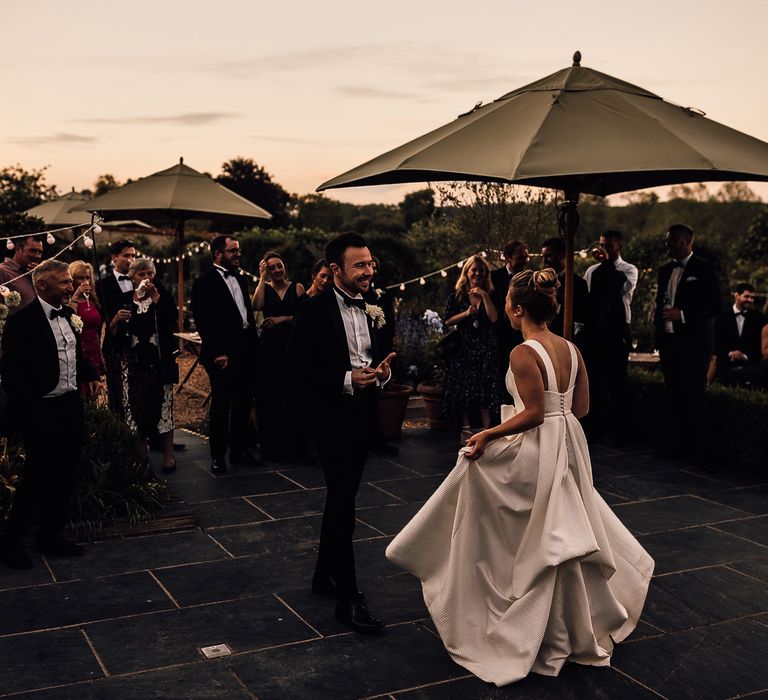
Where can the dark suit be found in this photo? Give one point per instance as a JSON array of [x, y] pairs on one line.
[[112, 300], [727, 339], [581, 306], [339, 423], [686, 352], [52, 428], [507, 338], [220, 325]]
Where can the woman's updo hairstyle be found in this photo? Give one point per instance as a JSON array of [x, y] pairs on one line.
[[536, 292]]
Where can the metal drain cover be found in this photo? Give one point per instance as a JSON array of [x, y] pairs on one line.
[[215, 651]]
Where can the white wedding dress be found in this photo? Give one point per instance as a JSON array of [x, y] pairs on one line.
[[523, 565]]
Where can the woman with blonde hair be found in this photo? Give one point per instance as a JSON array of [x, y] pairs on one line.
[[471, 371], [524, 566], [86, 304]]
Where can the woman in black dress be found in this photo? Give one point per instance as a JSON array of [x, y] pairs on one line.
[[277, 298], [143, 330], [471, 373]]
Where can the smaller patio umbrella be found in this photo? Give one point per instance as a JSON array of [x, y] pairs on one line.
[[180, 193], [58, 212]]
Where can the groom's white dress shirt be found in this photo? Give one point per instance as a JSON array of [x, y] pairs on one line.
[[66, 346]]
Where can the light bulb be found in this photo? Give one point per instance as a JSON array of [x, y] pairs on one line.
[[460, 264], [443, 273], [422, 281], [97, 229], [88, 242], [9, 244], [402, 287], [49, 239]]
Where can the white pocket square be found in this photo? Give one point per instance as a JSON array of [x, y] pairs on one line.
[[691, 279]]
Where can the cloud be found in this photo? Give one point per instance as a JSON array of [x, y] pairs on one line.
[[368, 91], [61, 138], [188, 119]]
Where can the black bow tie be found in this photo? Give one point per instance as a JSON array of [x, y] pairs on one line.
[[739, 313], [349, 301], [57, 312], [675, 263], [122, 278]]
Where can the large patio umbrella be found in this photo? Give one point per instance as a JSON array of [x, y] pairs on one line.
[[579, 131], [58, 212], [179, 193]]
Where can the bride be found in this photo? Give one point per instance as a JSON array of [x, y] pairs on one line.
[[522, 563]]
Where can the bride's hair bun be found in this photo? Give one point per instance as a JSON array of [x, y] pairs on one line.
[[536, 292]]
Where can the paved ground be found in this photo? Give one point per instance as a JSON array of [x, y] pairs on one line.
[[128, 619]]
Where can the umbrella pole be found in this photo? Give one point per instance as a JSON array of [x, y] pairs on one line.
[[180, 252], [571, 225]]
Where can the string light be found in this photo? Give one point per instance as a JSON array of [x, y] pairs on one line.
[[422, 281], [97, 230], [49, 239], [9, 244], [402, 286], [88, 241], [443, 273]]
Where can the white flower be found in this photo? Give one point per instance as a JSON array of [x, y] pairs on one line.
[[377, 315], [76, 322]]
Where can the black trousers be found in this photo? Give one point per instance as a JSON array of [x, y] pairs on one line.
[[607, 360], [685, 378], [232, 392], [52, 430], [343, 452]]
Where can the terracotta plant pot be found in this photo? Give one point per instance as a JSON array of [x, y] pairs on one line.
[[393, 402], [432, 392]]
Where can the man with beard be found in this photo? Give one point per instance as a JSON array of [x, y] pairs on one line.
[[337, 363]]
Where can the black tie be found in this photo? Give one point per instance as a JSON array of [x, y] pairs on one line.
[[57, 312], [225, 273], [740, 313], [675, 263], [349, 301], [122, 278]]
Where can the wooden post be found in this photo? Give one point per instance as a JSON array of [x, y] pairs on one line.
[[571, 226], [180, 252]]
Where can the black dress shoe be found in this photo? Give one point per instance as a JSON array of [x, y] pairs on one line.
[[218, 465], [244, 459], [355, 615], [59, 547], [323, 586], [14, 555]]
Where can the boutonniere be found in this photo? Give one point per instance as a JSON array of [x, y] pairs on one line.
[[691, 279], [377, 315], [76, 322]]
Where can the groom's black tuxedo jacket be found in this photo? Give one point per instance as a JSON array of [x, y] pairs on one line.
[[727, 336], [30, 359], [698, 296], [218, 319], [318, 360]]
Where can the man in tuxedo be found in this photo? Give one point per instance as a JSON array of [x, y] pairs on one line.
[[42, 369], [223, 316], [111, 290], [738, 340], [336, 359], [26, 256], [515, 256], [687, 301], [607, 338], [553, 255]]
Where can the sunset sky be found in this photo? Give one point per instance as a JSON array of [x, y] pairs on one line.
[[311, 89]]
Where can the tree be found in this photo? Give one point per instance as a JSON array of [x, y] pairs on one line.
[[105, 183], [21, 189], [736, 192], [15, 224], [249, 180], [697, 192], [417, 206]]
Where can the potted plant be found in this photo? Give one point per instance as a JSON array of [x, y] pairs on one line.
[[393, 403], [431, 386]]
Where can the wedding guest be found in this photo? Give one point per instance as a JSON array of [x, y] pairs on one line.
[[687, 301], [85, 303], [336, 364], [111, 291], [471, 371], [607, 339], [27, 254], [143, 332], [553, 255], [277, 298], [229, 352], [322, 278], [515, 257], [738, 332], [42, 370]]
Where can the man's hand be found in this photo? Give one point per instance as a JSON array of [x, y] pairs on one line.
[[221, 361], [737, 356], [671, 314], [383, 371], [92, 387], [363, 377], [123, 315]]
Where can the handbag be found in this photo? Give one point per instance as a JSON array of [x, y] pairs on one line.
[[450, 344]]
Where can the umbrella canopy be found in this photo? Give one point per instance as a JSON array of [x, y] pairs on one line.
[[577, 130], [58, 212], [181, 193]]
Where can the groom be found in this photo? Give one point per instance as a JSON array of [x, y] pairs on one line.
[[336, 360]]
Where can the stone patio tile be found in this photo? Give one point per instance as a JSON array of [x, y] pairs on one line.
[[416, 490], [375, 470], [205, 680], [706, 663], [753, 499], [663, 514], [213, 489], [291, 534], [245, 577], [388, 519], [697, 547], [45, 659], [752, 529], [627, 465], [16, 578], [757, 568], [658, 484], [75, 602], [162, 639], [232, 511], [136, 554], [347, 666], [574, 683], [702, 597]]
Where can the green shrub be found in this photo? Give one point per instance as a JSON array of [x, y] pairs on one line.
[[732, 433]]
